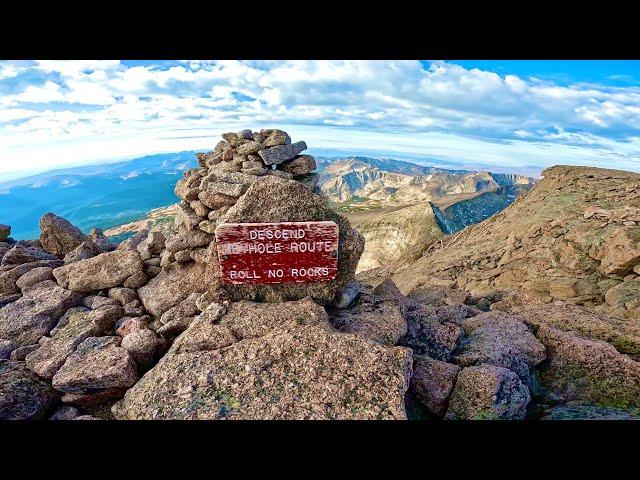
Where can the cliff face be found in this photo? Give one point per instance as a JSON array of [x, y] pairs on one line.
[[453, 217], [573, 237], [397, 183], [393, 233], [390, 235]]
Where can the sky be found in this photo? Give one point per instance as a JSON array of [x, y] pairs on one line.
[[507, 115]]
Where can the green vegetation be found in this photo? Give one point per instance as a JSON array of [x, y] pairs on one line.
[[349, 205]]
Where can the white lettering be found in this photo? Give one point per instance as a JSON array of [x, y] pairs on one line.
[[243, 274], [270, 234], [304, 247], [310, 272]]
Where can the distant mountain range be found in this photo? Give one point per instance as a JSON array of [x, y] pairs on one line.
[[397, 205], [113, 194], [394, 182], [90, 196]]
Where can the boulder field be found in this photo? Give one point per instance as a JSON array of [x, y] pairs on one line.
[[147, 330]]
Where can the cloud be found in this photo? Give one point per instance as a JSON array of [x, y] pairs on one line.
[[115, 104], [9, 70], [49, 92]]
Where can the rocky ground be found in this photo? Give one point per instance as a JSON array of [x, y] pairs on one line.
[[146, 329], [573, 238]]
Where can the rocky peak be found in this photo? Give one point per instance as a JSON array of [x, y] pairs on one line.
[[573, 237], [148, 330]]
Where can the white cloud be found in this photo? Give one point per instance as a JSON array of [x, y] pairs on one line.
[[10, 70], [49, 92], [395, 99], [72, 68]]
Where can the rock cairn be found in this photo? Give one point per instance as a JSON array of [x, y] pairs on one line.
[[227, 172], [207, 193], [248, 177]]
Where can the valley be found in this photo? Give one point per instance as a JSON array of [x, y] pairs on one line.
[[405, 205], [395, 204]]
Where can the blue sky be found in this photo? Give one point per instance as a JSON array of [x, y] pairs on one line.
[[505, 115], [565, 72]]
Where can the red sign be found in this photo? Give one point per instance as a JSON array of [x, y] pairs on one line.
[[288, 252]]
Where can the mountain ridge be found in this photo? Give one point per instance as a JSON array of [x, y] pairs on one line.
[[402, 182], [101, 195], [570, 238]]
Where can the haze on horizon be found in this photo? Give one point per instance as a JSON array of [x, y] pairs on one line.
[[506, 115]]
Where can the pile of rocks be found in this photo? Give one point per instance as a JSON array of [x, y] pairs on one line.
[[225, 174], [90, 317], [69, 299], [248, 177]]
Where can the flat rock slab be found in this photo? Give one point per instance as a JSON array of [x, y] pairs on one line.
[[37, 275], [487, 392], [582, 369], [281, 153], [19, 254], [428, 335], [23, 396], [301, 165], [97, 363], [371, 317], [36, 312], [219, 325], [502, 340], [171, 286], [9, 278], [103, 271], [251, 320], [310, 372], [79, 325]]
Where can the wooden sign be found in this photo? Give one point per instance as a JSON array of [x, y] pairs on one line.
[[288, 252]]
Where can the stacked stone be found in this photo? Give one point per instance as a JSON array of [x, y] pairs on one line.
[[224, 175], [72, 315], [207, 193]]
